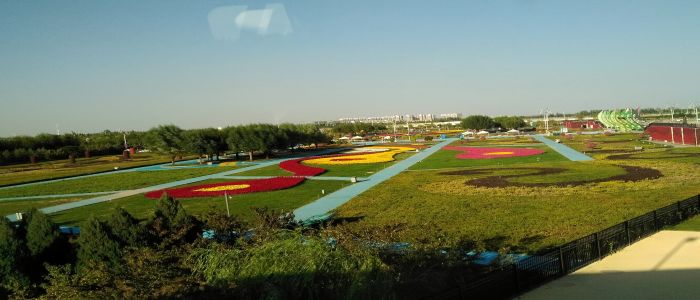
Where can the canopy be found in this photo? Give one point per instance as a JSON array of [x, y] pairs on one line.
[[344, 138], [513, 131], [467, 133], [357, 137], [483, 132]]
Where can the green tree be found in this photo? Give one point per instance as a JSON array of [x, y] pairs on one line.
[[171, 224], [41, 233], [125, 228], [97, 245], [10, 257], [510, 122], [167, 139], [477, 122]]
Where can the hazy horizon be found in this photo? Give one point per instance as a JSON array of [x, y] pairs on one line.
[[90, 66]]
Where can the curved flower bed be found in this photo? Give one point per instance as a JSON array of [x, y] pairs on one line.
[[234, 187], [488, 153], [361, 158]]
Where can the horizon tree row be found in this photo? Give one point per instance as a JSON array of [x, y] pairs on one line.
[[166, 139]]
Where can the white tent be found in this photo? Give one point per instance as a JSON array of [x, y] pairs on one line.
[[345, 138], [482, 132], [513, 131], [468, 133], [357, 137], [388, 137]]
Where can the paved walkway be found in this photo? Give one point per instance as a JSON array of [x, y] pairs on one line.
[[665, 265], [127, 193], [56, 196], [564, 150], [321, 208]]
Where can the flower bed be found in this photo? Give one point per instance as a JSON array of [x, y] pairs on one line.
[[488, 153], [361, 158], [234, 187]]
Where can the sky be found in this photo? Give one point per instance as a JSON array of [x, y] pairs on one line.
[[86, 66]]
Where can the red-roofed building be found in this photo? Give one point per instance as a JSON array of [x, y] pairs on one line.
[[582, 124]]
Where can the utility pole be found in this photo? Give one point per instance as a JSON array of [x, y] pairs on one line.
[[228, 212]]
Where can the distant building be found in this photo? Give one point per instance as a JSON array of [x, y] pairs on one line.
[[582, 124], [683, 134]]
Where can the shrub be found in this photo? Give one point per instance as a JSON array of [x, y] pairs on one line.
[[41, 233], [96, 245]]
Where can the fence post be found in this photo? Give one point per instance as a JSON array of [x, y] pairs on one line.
[[627, 232], [597, 244], [562, 267], [516, 278]]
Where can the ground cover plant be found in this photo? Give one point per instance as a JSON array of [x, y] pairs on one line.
[[600, 144], [20, 173], [446, 158], [109, 182], [517, 206], [141, 207], [490, 152]]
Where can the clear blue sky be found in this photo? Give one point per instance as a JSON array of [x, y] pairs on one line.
[[94, 65]]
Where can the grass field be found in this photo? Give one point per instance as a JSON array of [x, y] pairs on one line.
[[517, 218], [11, 207], [447, 159], [14, 174], [240, 205], [692, 224], [109, 182]]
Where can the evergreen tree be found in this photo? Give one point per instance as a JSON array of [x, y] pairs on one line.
[[41, 233], [96, 245]]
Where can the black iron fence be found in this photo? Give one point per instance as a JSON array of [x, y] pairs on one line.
[[534, 271]]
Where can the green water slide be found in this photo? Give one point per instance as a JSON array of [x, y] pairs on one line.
[[622, 120]]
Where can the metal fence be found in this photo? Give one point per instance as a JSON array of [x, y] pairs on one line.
[[534, 271]]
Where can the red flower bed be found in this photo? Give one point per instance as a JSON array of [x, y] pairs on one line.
[[234, 187], [298, 169], [487, 153]]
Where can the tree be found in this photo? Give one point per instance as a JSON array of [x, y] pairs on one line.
[[512, 122], [167, 139], [41, 233], [170, 223], [10, 256], [477, 122], [97, 245], [125, 228]]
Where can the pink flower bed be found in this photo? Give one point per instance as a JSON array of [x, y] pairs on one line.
[[488, 153], [234, 187]]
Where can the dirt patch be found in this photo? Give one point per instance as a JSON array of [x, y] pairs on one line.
[[632, 173], [610, 151], [666, 156]]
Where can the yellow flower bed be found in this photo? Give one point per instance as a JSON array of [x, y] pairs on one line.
[[228, 164], [369, 158], [230, 187]]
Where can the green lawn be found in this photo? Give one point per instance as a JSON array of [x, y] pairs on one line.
[[528, 219], [142, 207], [11, 207], [692, 224], [447, 159], [110, 182], [15, 174]]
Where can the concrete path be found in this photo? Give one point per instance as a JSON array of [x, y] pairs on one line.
[[321, 208], [56, 196], [665, 265], [564, 150], [127, 193]]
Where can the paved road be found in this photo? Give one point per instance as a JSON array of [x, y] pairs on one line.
[[665, 265], [321, 208], [564, 150], [127, 193]]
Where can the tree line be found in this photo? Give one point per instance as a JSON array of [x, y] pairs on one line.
[[166, 139], [479, 122]]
